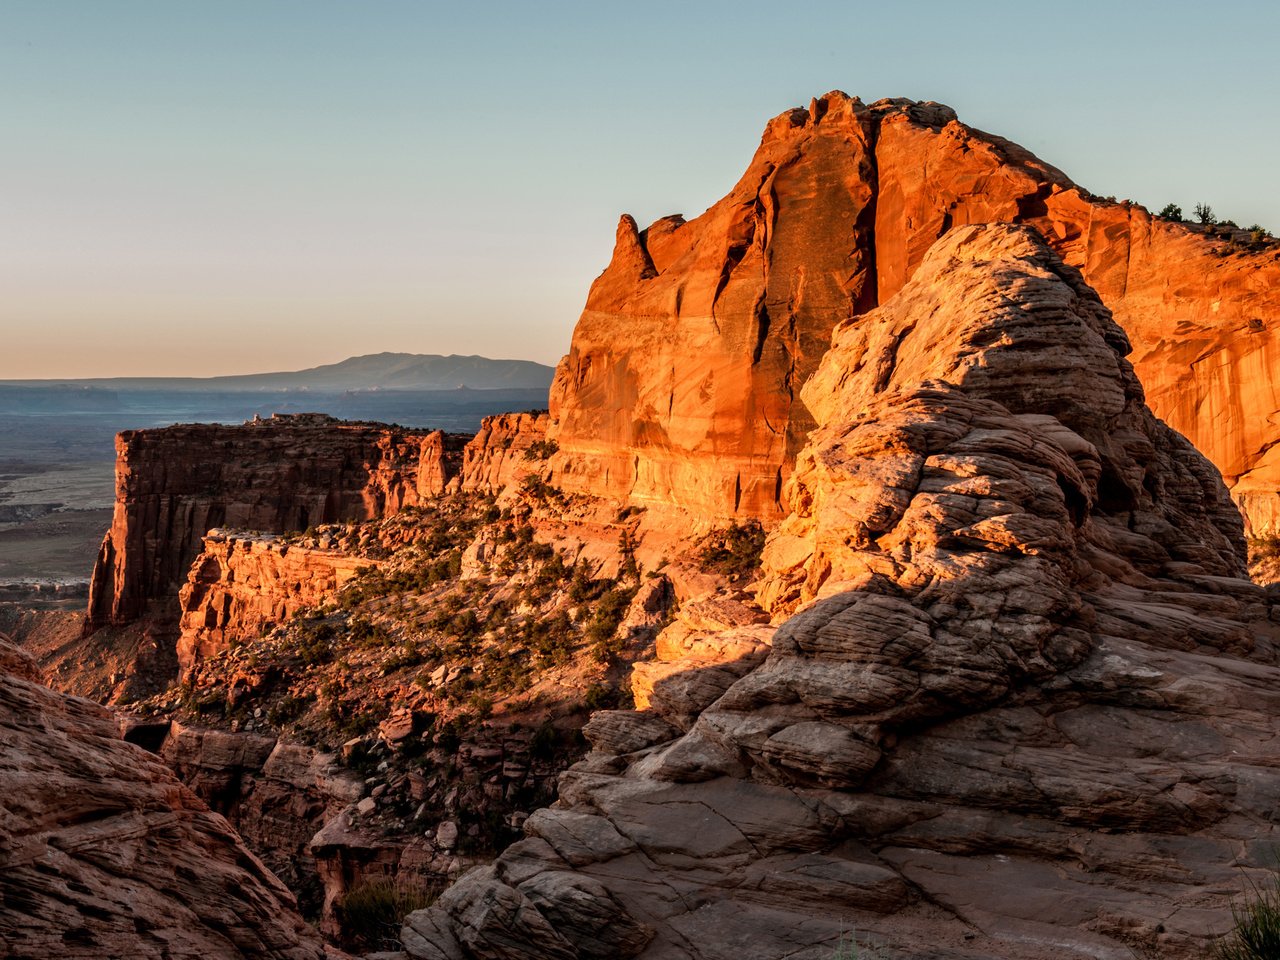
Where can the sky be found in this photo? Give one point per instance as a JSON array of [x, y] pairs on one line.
[[195, 189]]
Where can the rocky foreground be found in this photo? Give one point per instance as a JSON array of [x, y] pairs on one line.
[[103, 853], [1026, 711]]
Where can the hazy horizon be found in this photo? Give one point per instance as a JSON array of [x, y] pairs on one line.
[[209, 190], [53, 380]]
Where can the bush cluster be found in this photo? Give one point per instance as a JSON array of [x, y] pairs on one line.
[[373, 911], [733, 552], [1256, 935]]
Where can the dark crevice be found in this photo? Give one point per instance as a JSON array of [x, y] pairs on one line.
[[762, 328]]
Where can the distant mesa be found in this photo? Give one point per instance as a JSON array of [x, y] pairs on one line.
[[375, 371]]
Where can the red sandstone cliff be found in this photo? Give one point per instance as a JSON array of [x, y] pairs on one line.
[[240, 585], [682, 382], [175, 484]]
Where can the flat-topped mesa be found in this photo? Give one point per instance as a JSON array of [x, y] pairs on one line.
[[1027, 659], [175, 484], [681, 386]]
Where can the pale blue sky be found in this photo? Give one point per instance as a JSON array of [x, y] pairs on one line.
[[208, 187]]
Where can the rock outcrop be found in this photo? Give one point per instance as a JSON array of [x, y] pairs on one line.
[[1027, 706], [104, 854], [506, 446], [278, 795], [241, 585], [175, 484], [287, 473], [682, 384]]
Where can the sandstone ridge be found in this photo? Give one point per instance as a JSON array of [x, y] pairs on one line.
[[1025, 709], [682, 384]]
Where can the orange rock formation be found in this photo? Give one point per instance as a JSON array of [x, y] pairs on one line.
[[1027, 711], [240, 585], [682, 383]]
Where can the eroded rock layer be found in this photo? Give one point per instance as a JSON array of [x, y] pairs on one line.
[[104, 854], [682, 383], [175, 484], [1026, 709], [241, 585]]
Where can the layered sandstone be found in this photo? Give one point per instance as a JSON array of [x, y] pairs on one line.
[[241, 585], [104, 854], [277, 794], [682, 383], [288, 473], [1027, 707], [507, 445]]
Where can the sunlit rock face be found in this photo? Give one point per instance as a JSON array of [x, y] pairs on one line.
[[682, 384], [287, 473], [104, 854], [1025, 708], [239, 586], [175, 484]]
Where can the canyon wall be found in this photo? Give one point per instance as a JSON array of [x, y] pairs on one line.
[[287, 473], [681, 386], [241, 585]]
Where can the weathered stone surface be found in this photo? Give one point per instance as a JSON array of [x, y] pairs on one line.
[[104, 854], [500, 452], [1025, 708], [277, 794], [241, 584], [681, 387]]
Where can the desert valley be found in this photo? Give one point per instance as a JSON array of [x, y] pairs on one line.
[[887, 571]]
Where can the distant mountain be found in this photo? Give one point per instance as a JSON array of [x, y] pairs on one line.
[[378, 371]]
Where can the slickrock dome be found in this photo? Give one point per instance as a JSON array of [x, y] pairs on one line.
[[1027, 709], [103, 853]]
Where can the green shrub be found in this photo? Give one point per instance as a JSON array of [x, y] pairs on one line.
[[1256, 935], [602, 630], [1171, 211], [288, 709], [541, 450], [848, 948], [629, 570], [373, 911], [734, 552]]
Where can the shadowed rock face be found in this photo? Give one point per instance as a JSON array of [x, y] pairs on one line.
[[104, 854], [682, 384], [1026, 708]]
